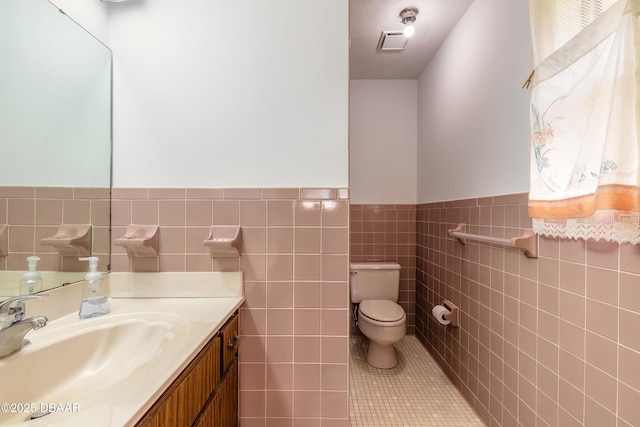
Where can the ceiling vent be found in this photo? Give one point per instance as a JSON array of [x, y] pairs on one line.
[[392, 41]]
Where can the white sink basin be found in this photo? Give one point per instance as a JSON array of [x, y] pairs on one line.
[[69, 363]]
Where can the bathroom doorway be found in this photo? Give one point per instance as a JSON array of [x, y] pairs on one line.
[[383, 179]]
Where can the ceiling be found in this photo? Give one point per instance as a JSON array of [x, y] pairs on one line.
[[368, 18]]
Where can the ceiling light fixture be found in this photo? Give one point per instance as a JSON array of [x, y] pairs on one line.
[[408, 17]]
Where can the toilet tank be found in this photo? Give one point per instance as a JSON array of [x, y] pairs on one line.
[[374, 280]]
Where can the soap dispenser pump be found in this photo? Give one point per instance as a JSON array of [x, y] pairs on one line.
[[32, 279], [94, 299]]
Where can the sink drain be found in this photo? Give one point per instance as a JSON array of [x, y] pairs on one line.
[[37, 414]]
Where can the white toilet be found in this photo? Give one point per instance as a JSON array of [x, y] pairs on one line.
[[375, 287]]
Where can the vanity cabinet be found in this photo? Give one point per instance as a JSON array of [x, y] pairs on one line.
[[205, 394]]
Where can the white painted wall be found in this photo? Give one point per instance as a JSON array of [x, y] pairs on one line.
[[217, 94], [473, 123], [383, 141]]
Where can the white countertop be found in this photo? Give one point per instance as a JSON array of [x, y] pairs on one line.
[[126, 401]]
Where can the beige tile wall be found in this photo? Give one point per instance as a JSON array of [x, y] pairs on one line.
[[34, 213], [388, 233], [551, 341], [294, 255]]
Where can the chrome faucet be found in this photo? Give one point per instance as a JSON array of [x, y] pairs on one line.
[[13, 326]]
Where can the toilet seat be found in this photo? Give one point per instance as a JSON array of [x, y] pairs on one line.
[[382, 312]]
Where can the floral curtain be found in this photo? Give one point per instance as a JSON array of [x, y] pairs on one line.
[[584, 119]]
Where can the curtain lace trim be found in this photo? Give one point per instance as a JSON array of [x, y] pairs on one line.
[[613, 226]]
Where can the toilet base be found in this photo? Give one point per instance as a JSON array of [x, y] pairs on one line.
[[381, 356]]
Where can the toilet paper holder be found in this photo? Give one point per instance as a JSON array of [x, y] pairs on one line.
[[453, 316]]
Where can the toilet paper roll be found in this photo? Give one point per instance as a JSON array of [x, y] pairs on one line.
[[439, 311]]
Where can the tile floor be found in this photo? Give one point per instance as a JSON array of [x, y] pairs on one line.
[[414, 393]]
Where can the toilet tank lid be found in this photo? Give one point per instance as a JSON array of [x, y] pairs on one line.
[[374, 266]]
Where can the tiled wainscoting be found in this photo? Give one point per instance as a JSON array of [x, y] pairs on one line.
[[388, 233], [551, 341], [34, 213], [294, 254], [548, 342]]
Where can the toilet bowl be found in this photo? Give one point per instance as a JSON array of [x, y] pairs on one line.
[[375, 289], [384, 323]]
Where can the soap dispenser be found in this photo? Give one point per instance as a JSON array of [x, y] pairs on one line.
[[94, 298], [32, 279]]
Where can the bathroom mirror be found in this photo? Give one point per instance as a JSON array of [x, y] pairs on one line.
[[55, 140]]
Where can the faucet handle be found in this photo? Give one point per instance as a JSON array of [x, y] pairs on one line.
[[12, 309]]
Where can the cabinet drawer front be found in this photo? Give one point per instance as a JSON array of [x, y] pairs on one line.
[[230, 341]]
